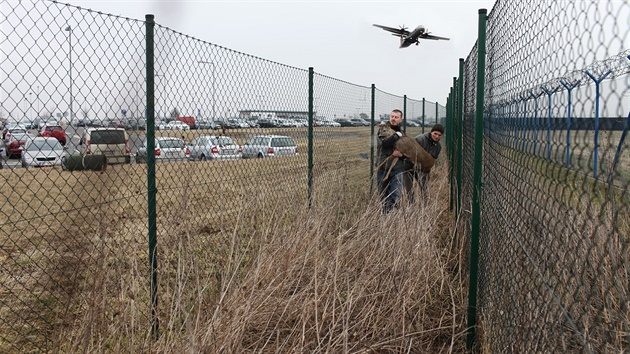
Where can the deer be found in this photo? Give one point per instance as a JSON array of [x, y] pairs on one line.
[[409, 147]]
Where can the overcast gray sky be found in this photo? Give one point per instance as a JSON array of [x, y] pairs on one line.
[[336, 38]]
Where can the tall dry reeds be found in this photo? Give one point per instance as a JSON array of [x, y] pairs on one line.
[[340, 277]]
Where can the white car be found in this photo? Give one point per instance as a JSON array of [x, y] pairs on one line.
[[174, 125], [13, 130], [166, 149], [42, 151], [210, 147], [269, 146]]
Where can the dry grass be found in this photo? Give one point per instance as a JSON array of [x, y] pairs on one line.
[[245, 266], [281, 280], [554, 259], [79, 269]]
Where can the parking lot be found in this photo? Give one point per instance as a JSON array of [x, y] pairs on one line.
[[74, 136], [240, 136]]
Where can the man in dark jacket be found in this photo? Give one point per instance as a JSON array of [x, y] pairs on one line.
[[391, 190], [431, 143]]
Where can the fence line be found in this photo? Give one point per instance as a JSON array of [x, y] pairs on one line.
[[180, 115], [548, 119]]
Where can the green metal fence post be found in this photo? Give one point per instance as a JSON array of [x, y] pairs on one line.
[[405, 114], [436, 112], [372, 112], [450, 140], [423, 103], [310, 137], [459, 136], [476, 212], [152, 190]]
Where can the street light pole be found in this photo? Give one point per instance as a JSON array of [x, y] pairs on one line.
[[213, 93], [134, 98], [69, 29]]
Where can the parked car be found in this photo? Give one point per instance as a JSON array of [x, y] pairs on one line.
[[96, 122], [42, 151], [160, 123], [189, 120], [235, 123], [267, 123], [27, 123], [16, 141], [80, 122], [166, 149], [359, 122], [325, 123], [210, 147], [135, 124], [15, 129], [111, 142], [174, 125], [287, 123], [38, 123], [270, 146], [207, 124], [114, 123], [8, 125], [344, 122], [53, 131]]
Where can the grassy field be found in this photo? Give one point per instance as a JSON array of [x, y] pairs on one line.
[[75, 242], [243, 264]]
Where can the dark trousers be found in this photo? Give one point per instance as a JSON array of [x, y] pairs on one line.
[[390, 190]]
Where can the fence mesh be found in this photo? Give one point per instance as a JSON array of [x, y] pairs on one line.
[[553, 247], [76, 223]]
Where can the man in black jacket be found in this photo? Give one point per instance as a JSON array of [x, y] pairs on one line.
[[391, 190], [431, 143]]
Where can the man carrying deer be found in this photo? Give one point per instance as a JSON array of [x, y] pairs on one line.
[[401, 158], [390, 176]]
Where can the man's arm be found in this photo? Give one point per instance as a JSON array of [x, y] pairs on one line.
[[391, 141]]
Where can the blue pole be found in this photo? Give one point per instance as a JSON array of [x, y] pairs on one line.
[[524, 98], [595, 150], [621, 140], [535, 128], [568, 151], [508, 123], [515, 121], [549, 93]]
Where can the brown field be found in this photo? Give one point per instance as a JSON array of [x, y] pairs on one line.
[[243, 264]]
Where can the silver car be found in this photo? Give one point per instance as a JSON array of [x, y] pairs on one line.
[[166, 149], [270, 146], [210, 147], [42, 151]]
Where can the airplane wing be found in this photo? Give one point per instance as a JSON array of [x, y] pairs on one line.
[[397, 31], [428, 36]]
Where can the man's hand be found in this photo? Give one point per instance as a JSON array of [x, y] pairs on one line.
[[399, 134], [397, 153]]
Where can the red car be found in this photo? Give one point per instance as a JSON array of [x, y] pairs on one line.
[[15, 141], [55, 131]]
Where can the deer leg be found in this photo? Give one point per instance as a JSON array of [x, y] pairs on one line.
[[390, 168], [384, 161]]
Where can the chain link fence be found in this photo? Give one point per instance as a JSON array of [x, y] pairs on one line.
[[153, 145], [553, 233]]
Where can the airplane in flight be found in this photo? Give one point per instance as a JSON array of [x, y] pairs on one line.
[[408, 38]]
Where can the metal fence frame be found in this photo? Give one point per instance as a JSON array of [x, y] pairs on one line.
[[519, 301]]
